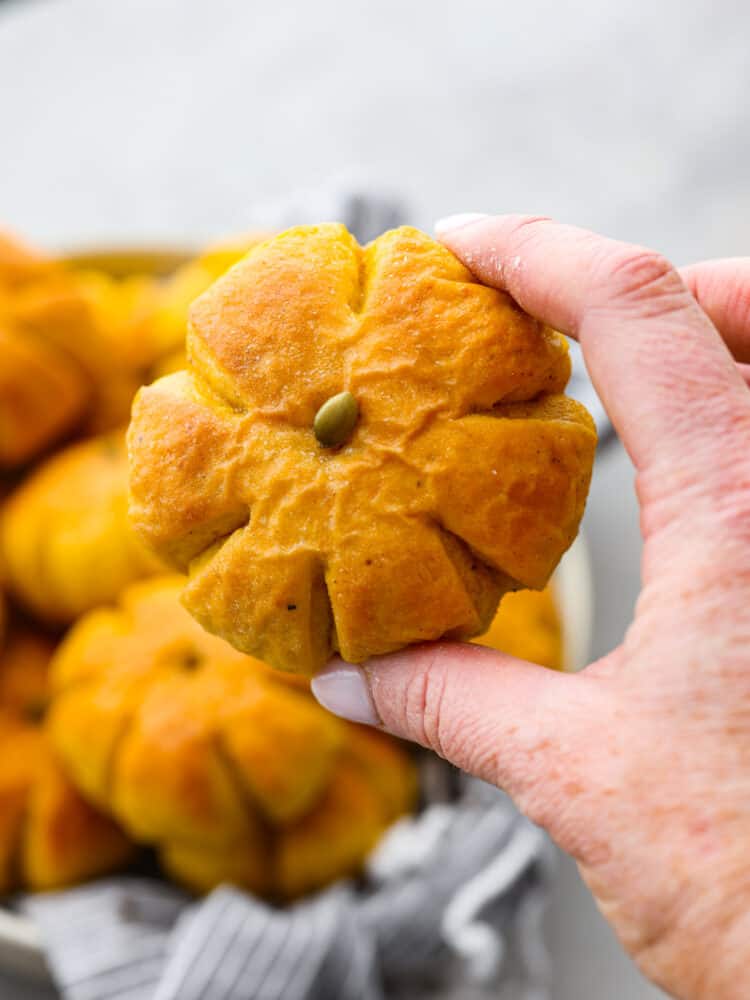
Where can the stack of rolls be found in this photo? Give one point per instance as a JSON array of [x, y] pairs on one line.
[[226, 771], [125, 728]]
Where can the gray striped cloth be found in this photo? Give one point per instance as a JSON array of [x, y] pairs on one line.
[[451, 906]]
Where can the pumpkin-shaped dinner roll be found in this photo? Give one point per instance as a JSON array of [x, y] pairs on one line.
[[231, 771], [91, 339], [49, 835], [42, 395], [65, 541], [74, 348], [368, 449], [43, 392], [99, 324], [528, 625]]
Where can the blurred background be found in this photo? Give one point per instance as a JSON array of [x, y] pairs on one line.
[[174, 121]]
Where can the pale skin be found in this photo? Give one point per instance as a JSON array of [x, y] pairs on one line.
[[639, 766]]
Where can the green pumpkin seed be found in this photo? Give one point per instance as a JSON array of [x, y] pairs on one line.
[[335, 420]]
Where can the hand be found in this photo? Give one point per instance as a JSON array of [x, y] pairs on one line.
[[640, 765]]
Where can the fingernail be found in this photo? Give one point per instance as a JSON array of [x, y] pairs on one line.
[[451, 222], [342, 689]]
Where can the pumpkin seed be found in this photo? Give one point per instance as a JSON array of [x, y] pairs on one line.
[[335, 420]]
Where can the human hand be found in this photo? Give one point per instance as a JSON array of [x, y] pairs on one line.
[[640, 765]]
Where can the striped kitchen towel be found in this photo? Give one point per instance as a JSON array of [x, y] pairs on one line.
[[451, 907]]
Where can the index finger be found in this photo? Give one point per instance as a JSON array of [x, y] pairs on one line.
[[667, 380]]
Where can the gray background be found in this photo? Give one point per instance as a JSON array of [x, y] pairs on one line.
[[161, 120]]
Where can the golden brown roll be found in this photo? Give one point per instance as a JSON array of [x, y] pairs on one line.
[[84, 340], [367, 450], [49, 835], [72, 350], [42, 396], [96, 322], [65, 541], [43, 391], [230, 771]]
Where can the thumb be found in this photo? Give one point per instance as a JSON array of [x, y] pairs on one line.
[[522, 727]]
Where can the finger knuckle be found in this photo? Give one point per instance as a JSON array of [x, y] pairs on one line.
[[638, 274], [424, 704], [637, 269]]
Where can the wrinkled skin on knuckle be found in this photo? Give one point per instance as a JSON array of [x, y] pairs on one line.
[[559, 780], [423, 700], [433, 712], [640, 277], [432, 703], [409, 700]]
